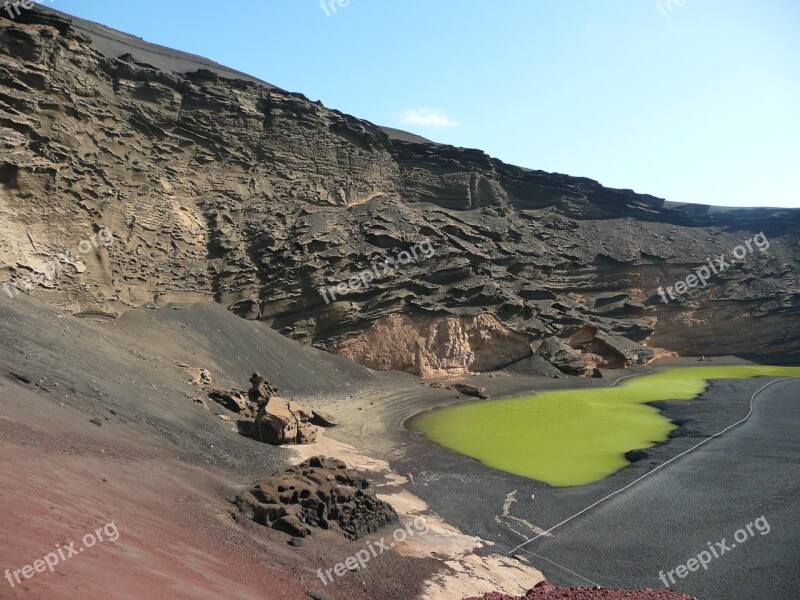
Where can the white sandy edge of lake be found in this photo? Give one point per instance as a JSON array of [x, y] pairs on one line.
[[464, 573]]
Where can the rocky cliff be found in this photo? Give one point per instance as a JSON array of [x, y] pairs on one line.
[[236, 191]]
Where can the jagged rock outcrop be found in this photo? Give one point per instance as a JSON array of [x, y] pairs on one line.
[[586, 350], [276, 420], [599, 349], [257, 198], [318, 493]]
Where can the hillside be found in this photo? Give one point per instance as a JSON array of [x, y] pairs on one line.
[[230, 190]]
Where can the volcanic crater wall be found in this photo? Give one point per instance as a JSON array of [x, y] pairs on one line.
[[227, 190]]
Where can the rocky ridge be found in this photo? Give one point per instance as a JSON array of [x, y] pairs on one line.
[[257, 198]]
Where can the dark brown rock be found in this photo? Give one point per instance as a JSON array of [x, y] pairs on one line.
[[260, 390], [471, 390], [323, 419], [319, 493], [234, 401]]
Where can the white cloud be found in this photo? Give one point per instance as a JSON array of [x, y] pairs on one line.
[[427, 117]]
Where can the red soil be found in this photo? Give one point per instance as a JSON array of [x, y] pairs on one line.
[[64, 478], [545, 591]]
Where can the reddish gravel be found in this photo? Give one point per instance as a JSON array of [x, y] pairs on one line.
[[545, 591]]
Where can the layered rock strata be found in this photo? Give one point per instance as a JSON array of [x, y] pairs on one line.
[[257, 198]]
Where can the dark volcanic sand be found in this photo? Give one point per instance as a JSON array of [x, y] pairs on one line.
[[168, 465], [662, 521], [158, 465]]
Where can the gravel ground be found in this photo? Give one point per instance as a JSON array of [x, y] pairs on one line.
[[545, 591], [123, 375]]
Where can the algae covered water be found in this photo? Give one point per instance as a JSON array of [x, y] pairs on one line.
[[573, 437]]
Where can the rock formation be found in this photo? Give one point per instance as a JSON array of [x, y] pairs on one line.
[[435, 346], [281, 421], [238, 192], [319, 493], [234, 401], [561, 355], [276, 420], [260, 390], [585, 350]]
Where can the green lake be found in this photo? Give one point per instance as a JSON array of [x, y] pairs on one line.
[[573, 437]]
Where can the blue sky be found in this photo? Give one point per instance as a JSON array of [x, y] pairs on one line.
[[692, 103]]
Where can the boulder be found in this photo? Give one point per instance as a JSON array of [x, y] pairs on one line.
[[260, 390], [281, 421], [471, 390], [601, 349], [323, 419], [585, 348], [234, 401]]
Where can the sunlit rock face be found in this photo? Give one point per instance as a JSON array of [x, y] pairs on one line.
[[257, 198], [436, 346]]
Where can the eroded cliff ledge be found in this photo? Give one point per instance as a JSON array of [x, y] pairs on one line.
[[256, 198]]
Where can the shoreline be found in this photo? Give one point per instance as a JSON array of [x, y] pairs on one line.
[[441, 478], [662, 405]]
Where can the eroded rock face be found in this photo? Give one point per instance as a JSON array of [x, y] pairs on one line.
[[562, 356], [226, 190], [319, 493], [434, 346]]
